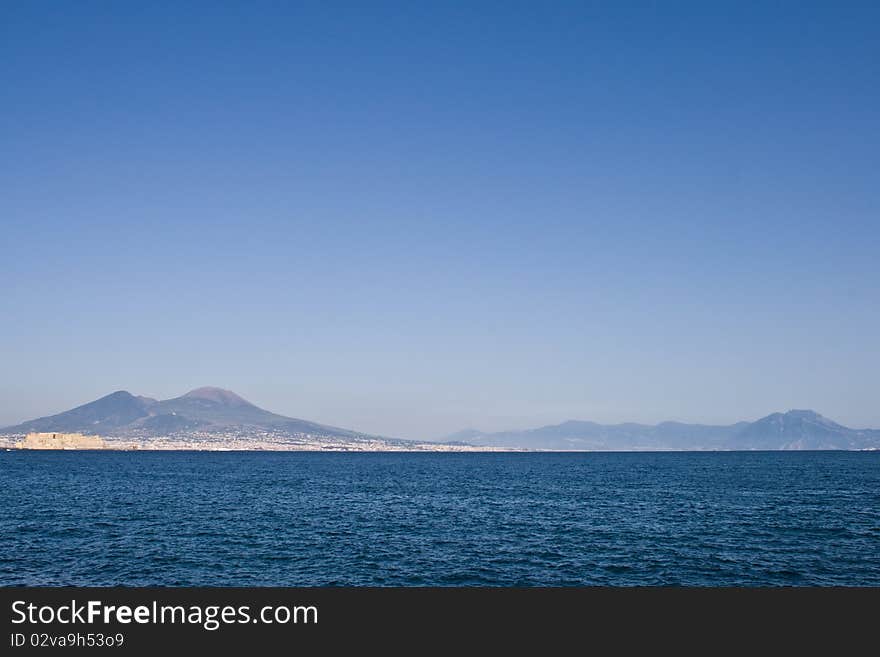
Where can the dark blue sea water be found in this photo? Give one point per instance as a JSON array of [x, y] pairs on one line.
[[186, 518]]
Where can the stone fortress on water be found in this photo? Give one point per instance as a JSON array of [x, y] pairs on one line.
[[60, 441]]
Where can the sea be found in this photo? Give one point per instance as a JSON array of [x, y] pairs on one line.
[[439, 519]]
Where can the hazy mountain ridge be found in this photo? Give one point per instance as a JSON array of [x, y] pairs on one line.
[[214, 410], [795, 429], [205, 409]]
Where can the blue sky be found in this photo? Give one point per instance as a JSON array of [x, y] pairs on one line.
[[410, 218]]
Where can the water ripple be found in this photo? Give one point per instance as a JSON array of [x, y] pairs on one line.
[[305, 519]]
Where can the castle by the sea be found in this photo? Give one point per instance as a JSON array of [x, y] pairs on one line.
[[60, 441]]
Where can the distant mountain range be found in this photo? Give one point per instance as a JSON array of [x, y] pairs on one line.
[[215, 410], [796, 429], [203, 409]]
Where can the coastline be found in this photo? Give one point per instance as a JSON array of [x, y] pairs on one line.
[[14, 443], [420, 448]]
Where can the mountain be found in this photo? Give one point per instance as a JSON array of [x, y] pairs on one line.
[[796, 429], [110, 413], [215, 410], [581, 435], [803, 429], [205, 409]]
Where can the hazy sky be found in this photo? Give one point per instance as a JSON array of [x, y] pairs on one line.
[[412, 218]]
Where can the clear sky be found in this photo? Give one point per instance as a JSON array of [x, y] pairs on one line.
[[412, 218]]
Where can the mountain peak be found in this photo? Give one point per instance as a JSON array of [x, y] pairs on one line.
[[805, 413], [217, 395], [119, 394], [799, 416]]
